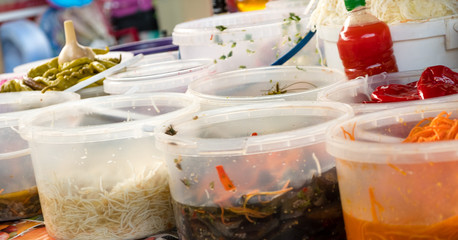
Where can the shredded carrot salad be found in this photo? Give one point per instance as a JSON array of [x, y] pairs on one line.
[[432, 129]]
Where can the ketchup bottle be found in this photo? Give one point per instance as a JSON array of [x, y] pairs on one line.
[[365, 44]]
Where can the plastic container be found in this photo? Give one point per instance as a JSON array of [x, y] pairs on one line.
[[170, 76], [243, 39], [98, 173], [259, 171], [151, 46], [395, 190], [355, 92], [416, 45], [18, 190], [155, 58], [260, 85]]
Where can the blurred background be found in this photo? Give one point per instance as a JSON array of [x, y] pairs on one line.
[[32, 30]]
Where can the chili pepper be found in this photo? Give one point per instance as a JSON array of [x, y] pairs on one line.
[[224, 179], [437, 81], [395, 93]]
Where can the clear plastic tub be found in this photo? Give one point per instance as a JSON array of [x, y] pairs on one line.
[[244, 39], [18, 190], [260, 85], [98, 173], [356, 91], [396, 190], [258, 171], [170, 76]]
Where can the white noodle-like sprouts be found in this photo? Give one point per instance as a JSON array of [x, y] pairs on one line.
[[135, 208]]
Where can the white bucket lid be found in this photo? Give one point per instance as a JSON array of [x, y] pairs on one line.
[[355, 91], [240, 26], [158, 77], [104, 118], [378, 137], [300, 123], [253, 85]]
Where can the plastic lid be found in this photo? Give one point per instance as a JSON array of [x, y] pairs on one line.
[[352, 4], [228, 131], [255, 85], [164, 76], [239, 26], [379, 135], [104, 118], [356, 91]]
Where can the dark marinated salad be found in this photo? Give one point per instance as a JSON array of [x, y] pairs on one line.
[[312, 211]]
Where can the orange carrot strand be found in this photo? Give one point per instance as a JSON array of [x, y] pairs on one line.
[[224, 179]]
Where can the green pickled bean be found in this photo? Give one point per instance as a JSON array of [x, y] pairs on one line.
[[97, 66], [41, 69], [76, 62], [14, 85], [50, 73], [44, 81], [99, 51], [106, 63], [63, 73]]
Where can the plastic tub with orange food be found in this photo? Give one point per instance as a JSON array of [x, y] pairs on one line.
[[392, 189]]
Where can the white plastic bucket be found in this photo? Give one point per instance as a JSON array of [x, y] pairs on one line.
[[92, 158], [244, 39], [392, 189], [416, 45], [262, 147]]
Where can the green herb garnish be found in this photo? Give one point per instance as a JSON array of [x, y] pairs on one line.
[[221, 27], [170, 130]]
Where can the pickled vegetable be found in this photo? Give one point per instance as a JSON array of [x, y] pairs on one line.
[[55, 77], [20, 204], [312, 211]]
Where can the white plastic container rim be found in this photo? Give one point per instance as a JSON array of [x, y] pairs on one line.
[[282, 140], [24, 103], [43, 126], [155, 58], [240, 26], [233, 79], [358, 108], [159, 76], [377, 148]]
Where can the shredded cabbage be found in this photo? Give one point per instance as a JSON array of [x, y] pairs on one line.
[[333, 12]]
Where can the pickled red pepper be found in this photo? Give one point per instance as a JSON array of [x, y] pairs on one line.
[[365, 45], [435, 81]]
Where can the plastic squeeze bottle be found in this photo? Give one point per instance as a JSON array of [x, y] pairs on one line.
[[365, 44]]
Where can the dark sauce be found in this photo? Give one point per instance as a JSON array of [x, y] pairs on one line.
[[22, 204], [311, 212]]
